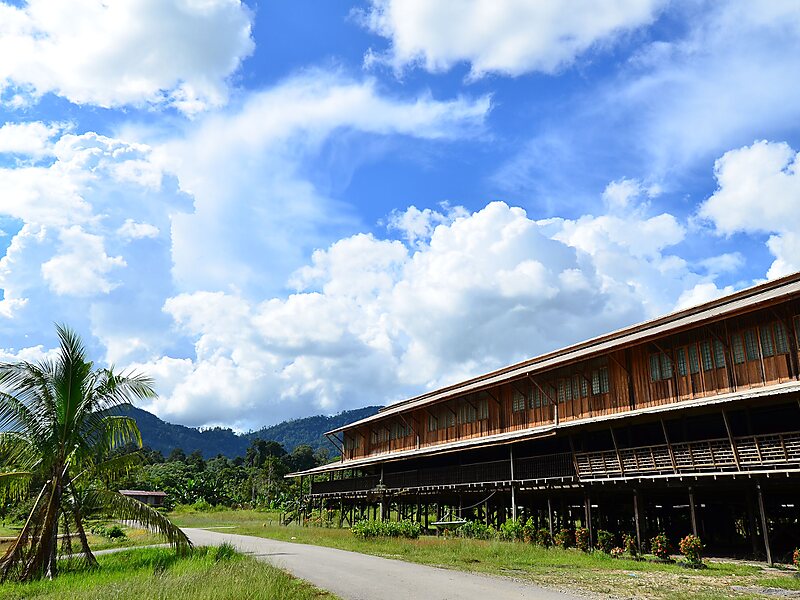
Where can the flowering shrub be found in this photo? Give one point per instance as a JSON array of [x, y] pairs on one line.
[[582, 539], [373, 529], [605, 541], [476, 530], [692, 548], [796, 558], [631, 547], [543, 538], [617, 552], [529, 531], [565, 538], [659, 546]]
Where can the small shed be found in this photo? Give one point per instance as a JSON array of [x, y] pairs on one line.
[[147, 497]]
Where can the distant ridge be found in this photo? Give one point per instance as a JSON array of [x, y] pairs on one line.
[[165, 437]]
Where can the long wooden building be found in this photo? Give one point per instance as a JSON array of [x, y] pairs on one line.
[[686, 423]]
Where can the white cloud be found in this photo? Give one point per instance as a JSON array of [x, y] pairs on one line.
[[510, 38], [171, 52], [32, 138], [132, 230], [758, 192], [374, 319], [81, 266]]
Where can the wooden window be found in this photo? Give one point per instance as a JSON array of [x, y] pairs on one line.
[[655, 368], [380, 436], [751, 344], [483, 409], [584, 387], [433, 424], [767, 348], [562, 391], [781, 341], [467, 413], [660, 366], [680, 360], [596, 382], [568, 389], [604, 380], [719, 354], [538, 397], [738, 349], [705, 354], [576, 386], [517, 401], [694, 364], [352, 442]]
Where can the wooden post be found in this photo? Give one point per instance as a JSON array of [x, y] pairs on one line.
[[764, 524], [550, 515], [692, 511], [513, 487], [587, 510], [669, 447], [636, 519]]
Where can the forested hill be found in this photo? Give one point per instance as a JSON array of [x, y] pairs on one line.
[[164, 437], [311, 430]]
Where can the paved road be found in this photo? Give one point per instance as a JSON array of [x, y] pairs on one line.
[[355, 576]]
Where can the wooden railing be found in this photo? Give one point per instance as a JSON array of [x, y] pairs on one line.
[[752, 453]]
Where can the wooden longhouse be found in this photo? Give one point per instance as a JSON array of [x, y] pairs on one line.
[[686, 423]]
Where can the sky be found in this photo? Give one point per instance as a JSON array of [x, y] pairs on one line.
[[279, 209]]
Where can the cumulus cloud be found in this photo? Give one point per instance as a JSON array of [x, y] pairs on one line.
[[158, 52], [758, 192], [509, 38], [373, 319], [81, 265], [31, 138], [132, 230]]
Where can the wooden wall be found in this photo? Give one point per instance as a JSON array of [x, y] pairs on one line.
[[738, 353]]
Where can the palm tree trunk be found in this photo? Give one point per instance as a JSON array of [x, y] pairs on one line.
[[76, 514]]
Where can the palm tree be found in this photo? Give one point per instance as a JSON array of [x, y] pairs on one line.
[[59, 428]]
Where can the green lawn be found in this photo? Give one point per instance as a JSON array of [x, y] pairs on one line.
[[133, 537], [156, 573], [560, 569]]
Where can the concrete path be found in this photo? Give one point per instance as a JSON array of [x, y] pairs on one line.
[[354, 576]]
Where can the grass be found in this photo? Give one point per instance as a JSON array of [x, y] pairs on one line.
[[555, 568], [133, 537], [159, 574]]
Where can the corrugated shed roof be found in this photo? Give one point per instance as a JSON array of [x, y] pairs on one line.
[[744, 300]]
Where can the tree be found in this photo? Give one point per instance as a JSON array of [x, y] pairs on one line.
[[59, 433]]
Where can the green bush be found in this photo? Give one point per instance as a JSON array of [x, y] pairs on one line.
[[659, 546], [476, 530], [630, 545], [543, 538], [692, 548], [511, 530], [565, 538], [395, 529], [605, 541], [115, 533], [582, 539], [224, 551], [529, 531]]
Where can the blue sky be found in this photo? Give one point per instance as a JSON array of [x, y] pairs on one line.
[[287, 208]]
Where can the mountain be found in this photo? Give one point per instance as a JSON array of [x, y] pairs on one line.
[[165, 437]]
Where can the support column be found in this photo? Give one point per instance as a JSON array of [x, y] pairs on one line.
[[587, 511], [692, 511], [764, 524], [550, 516], [636, 519], [513, 487]]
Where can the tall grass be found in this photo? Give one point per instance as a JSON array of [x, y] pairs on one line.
[[157, 573]]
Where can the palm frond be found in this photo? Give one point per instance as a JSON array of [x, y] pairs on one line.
[[129, 509], [14, 485]]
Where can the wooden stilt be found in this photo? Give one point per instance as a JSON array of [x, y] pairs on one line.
[[764, 523], [636, 520], [550, 515], [692, 511]]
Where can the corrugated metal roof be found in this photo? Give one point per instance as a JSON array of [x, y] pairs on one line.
[[552, 429], [747, 299]]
